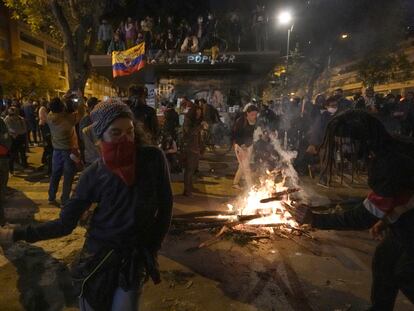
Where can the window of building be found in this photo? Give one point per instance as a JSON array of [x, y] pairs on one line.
[[40, 60], [51, 51], [33, 58], [54, 62], [29, 39], [28, 56]]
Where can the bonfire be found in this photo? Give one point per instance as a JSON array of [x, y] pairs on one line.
[[264, 210], [270, 200]]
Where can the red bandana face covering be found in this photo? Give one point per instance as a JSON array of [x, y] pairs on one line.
[[119, 158]]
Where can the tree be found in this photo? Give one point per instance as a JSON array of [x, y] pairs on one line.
[[21, 78], [75, 22], [382, 68]]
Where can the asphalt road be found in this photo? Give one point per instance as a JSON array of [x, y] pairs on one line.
[[330, 273]]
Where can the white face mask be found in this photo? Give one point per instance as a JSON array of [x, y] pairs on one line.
[[332, 110]]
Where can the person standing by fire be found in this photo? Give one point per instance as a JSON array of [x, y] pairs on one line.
[[193, 124], [131, 185], [243, 144], [388, 211]]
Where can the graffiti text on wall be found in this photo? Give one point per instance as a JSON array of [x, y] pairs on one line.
[[205, 59]]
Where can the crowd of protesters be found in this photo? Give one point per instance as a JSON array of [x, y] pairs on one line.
[[165, 36], [109, 143], [64, 129], [301, 123]]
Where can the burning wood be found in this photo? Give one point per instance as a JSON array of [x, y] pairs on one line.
[[279, 196], [264, 211]]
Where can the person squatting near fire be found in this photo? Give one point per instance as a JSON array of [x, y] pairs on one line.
[[243, 131], [388, 210], [131, 186]]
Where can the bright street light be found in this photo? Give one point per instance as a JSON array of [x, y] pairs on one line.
[[344, 36], [284, 17]]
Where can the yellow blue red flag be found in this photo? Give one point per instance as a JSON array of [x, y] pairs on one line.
[[126, 62]]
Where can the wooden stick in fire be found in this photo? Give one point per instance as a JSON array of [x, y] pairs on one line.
[[278, 196], [288, 207]]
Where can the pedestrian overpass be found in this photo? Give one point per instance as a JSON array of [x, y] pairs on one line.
[[193, 75]]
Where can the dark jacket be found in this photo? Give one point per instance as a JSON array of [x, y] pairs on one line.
[[171, 44], [359, 218], [268, 119], [29, 112], [147, 117], [390, 175], [344, 104], [192, 135], [210, 114], [171, 122], [116, 46], [5, 141], [125, 216], [317, 130], [243, 132]]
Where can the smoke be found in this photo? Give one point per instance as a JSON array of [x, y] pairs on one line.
[[286, 158]]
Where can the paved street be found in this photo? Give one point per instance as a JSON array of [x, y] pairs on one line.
[[330, 273]]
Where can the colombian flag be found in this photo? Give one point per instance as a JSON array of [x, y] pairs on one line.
[[126, 62]]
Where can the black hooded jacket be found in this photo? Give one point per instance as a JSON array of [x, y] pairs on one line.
[[125, 217], [390, 175]]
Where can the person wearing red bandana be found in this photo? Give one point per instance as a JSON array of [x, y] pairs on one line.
[[388, 210], [130, 184]]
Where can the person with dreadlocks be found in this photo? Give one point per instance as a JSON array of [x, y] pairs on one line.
[[388, 209]]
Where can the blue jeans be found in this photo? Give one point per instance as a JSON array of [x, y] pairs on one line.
[[123, 301], [61, 165]]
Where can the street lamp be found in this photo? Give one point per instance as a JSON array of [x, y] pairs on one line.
[[344, 36], [285, 18]]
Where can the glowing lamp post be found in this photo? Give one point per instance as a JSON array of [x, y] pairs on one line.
[[285, 18]]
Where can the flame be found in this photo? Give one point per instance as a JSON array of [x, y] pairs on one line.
[[272, 212]]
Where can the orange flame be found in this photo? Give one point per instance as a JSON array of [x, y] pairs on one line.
[[272, 212]]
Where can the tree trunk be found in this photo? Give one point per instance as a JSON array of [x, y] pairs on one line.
[[78, 43], [77, 78]]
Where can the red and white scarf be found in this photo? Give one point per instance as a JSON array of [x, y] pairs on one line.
[[389, 208]]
